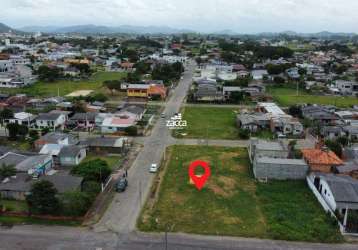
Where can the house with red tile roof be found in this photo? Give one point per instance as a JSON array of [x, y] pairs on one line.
[[321, 160], [157, 90], [117, 123]]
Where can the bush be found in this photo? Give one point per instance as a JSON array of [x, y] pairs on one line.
[[95, 170], [244, 134], [43, 198], [75, 203], [131, 131]]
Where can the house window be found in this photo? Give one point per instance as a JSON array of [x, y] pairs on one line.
[[325, 191]]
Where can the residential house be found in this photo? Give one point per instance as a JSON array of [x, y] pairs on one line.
[[338, 195], [85, 121], [106, 145], [157, 91], [19, 187], [71, 155], [287, 125], [55, 138], [208, 92], [321, 160], [22, 118], [320, 115], [35, 165], [136, 110], [117, 123], [138, 90], [52, 121], [347, 87], [253, 121]]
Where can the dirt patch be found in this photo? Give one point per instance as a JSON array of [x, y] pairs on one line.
[[178, 198], [225, 187], [228, 182], [228, 155], [231, 220], [218, 190]]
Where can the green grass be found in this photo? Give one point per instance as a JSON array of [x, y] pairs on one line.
[[43, 89], [112, 160], [287, 97], [264, 134], [210, 123], [10, 220], [14, 206], [21, 206], [19, 144], [232, 203]]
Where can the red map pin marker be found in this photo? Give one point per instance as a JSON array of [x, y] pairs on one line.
[[199, 181]]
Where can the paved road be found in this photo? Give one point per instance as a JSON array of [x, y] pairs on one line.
[[222, 143], [55, 238]]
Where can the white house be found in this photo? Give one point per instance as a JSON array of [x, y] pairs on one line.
[[51, 120], [347, 87], [117, 123], [336, 194], [22, 118]]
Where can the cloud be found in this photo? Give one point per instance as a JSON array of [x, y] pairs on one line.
[[204, 15]]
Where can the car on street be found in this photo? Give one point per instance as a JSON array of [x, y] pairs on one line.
[[153, 168], [121, 185]]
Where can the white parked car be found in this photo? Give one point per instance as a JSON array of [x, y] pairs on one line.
[[153, 168]]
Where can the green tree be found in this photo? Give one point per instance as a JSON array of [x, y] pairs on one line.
[[335, 147], [244, 134], [95, 170], [49, 74], [6, 114], [7, 171], [142, 67], [43, 198], [16, 130], [75, 203], [112, 85], [295, 111], [34, 135], [131, 131]]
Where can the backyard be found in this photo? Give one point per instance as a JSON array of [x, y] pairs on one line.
[[209, 123], [113, 161], [21, 206], [288, 96], [232, 203], [64, 87]]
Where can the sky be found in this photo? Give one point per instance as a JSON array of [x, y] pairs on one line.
[[242, 16]]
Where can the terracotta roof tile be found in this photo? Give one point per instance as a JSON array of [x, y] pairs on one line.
[[318, 156]]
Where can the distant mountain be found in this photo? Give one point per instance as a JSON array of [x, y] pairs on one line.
[[6, 29], [96, 29]]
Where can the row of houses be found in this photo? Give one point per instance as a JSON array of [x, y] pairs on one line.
[[272, 117], [59, 120]]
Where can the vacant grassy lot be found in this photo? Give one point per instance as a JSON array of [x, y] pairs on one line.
[[210, 123], [287, 97], [232, 203], [112, 160], [45, 89]]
